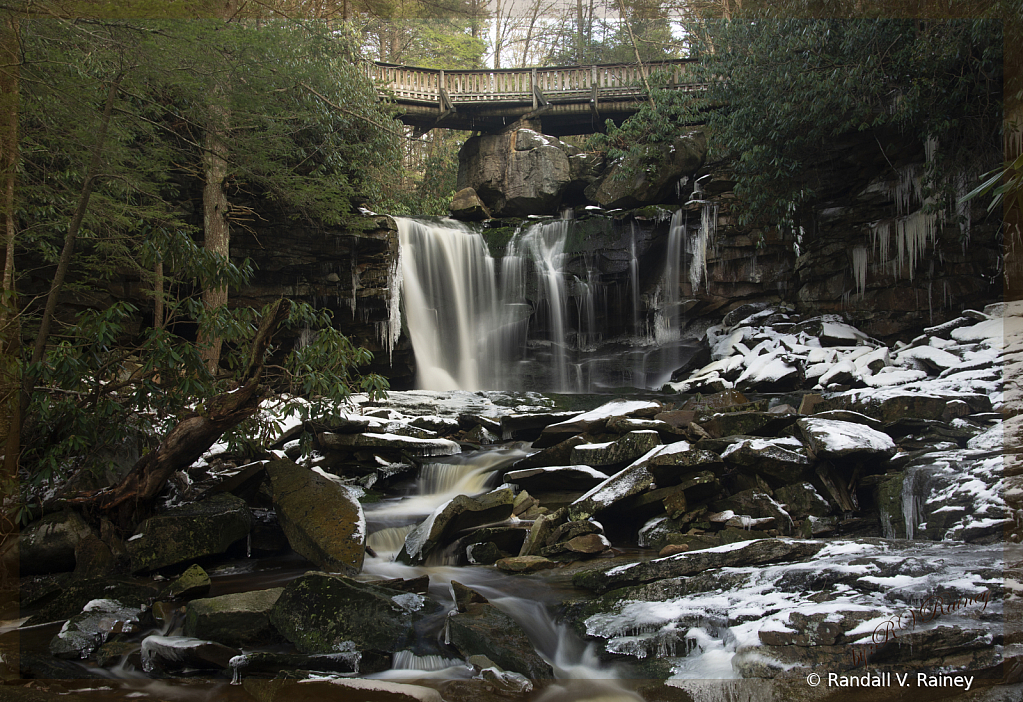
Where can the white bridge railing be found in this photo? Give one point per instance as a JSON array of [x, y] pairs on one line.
[[603, 81]]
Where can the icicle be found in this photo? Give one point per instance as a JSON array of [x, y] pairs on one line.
[[698, 245], [859, 263]]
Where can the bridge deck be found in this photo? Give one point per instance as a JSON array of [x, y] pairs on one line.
[[568, 99]]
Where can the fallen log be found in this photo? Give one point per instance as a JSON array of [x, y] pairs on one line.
[[132, 499]]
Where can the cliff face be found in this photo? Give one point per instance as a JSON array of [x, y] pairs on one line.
[[865, 249], [350, 273]]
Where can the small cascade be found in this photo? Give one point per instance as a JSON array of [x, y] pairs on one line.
[[544, 243], [668, 315]]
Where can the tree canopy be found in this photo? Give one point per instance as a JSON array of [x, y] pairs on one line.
[[781, 90], [113, 115]]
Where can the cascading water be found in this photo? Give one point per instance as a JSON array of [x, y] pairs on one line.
[[545, 244], [541, 319], [579, 672], [449, 296]]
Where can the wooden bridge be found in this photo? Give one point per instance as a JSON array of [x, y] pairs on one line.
[[567, 99]]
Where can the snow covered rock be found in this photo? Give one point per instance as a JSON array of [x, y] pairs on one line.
[[595, 420], [833, 439], [321, 518], [450, 519], [729, 556], [624, 449], [85, 632], [630, 481], [409, 444], [783, 459], [556, 478]]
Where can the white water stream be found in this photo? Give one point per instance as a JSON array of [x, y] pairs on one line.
[[579, 673]]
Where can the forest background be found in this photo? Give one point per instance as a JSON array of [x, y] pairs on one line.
[[136, 135]]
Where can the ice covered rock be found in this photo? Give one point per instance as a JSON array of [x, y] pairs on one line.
[[85, 632], [170, 654]]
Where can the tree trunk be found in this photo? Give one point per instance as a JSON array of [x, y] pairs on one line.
[[217, 236], [217, 233], [132, 498], [89, 184], [158, 313], [10, 327]]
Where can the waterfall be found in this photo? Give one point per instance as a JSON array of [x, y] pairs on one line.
[[634, 281], [668, 318], [450, 304], [535, 322], [545, 245]]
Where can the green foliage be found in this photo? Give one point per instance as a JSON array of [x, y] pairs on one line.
[[782, 91], [652, 127], [792, 86], [306, 134], [102, 386]]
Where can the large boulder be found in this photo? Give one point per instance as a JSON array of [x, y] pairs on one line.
[[329, 613], [832, 439], [518, 173], [189, 532], [48, 546], [321, 519], [650, 176], [236, 619], [451, 519]]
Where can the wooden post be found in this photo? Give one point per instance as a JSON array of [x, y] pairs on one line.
[[533, 87]]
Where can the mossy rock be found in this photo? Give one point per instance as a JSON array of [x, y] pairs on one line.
[[236, 619], [321, 519], [328, 613], [187, 533]]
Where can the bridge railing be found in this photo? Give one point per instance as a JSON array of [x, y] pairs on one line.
[[408, 83]]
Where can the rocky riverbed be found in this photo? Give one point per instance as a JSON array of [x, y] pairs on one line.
[[803, 501]]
